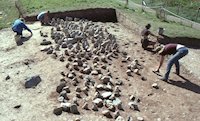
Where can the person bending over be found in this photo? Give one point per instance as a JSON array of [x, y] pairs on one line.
[[43, 17], [19, 25], [178, 52], [144, 37]]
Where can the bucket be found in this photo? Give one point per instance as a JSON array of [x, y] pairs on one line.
[[17, 38], [160, 30]]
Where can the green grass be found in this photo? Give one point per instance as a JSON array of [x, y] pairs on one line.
[[172, 28], [9, 13]]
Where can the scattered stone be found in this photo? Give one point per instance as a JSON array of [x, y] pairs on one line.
[[155, 85], [73, 109], [132, 98], [65, 106], [140, 119], [32, 81], [128, 72], [60, 86], [17, 106], [94, 107], [116, 114], [119, 118], [133, 106], [98, 102], [85, 106], [106, 95], [57, 111], [8, 77], [106, 113]]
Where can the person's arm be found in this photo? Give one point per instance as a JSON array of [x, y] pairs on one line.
[[24, 26], [153, 34], [160, 64]]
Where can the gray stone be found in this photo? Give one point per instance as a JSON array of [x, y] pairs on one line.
[[106, 113], [57, 111], [85, 106], [60, 86], [98, 102], [94, 107], [73, 109], [106, 95], [116, 114], [65, 106], [105, 79], [133, 106], [119, 118], [140, 119], [32, 81], [117, 101]]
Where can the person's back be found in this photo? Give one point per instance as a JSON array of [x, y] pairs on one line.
[[19, 25]]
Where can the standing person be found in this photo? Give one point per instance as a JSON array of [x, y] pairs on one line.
[[19, 25], [43, 17], [144, 37], [178, 52]]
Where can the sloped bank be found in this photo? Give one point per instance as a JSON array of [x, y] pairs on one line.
[[111, 15]]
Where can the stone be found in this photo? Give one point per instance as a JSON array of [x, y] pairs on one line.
[[60, 86], [129, 118], [118, 82], [117, 101], [94, 72], [78, 94], [120, 118], [94, 107], [85, 106], [65, 106], [133, 106], [106, 113], [100, 87], [155, 85], [140, 119], [64, 94], [98, 102], [32, 81], [106, 95], [128, 72], [73, 109], [116, 114], [57, 111], [105, 79], [132, 97], [136, 71], [61, 99], [78, 89], [66, 88]]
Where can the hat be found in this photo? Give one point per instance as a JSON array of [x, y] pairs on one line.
[[159, 49], [148, 26]]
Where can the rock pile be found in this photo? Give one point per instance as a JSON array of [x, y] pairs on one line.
[[86, 47]]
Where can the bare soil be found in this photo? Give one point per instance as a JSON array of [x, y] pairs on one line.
[[175, 100]]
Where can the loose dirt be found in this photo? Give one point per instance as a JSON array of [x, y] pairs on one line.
[[177, 100]]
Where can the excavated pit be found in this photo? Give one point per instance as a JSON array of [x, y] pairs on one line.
[[111, 15]]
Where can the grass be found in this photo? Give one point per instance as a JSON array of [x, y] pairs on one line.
[[36, 6]]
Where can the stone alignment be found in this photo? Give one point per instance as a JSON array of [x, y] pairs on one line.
[[78, 43]]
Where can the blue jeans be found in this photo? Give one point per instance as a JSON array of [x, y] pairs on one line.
[[181, 52]]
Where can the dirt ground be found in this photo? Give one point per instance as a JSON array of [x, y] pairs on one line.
[[176, 100]]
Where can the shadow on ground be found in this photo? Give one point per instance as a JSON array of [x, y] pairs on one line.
[[189, 42]]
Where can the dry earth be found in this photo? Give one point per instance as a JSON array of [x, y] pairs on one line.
[[177, 100]]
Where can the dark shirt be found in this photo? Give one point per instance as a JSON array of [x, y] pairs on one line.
[[145, 32], [169, 49], [18, 26]]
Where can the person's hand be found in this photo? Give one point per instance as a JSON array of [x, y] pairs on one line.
[[31, 33], [154, 71]]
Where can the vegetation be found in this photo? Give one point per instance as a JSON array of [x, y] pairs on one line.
[[137, 15], [184, 8]]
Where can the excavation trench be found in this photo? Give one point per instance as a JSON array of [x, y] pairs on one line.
[[111, 15]]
